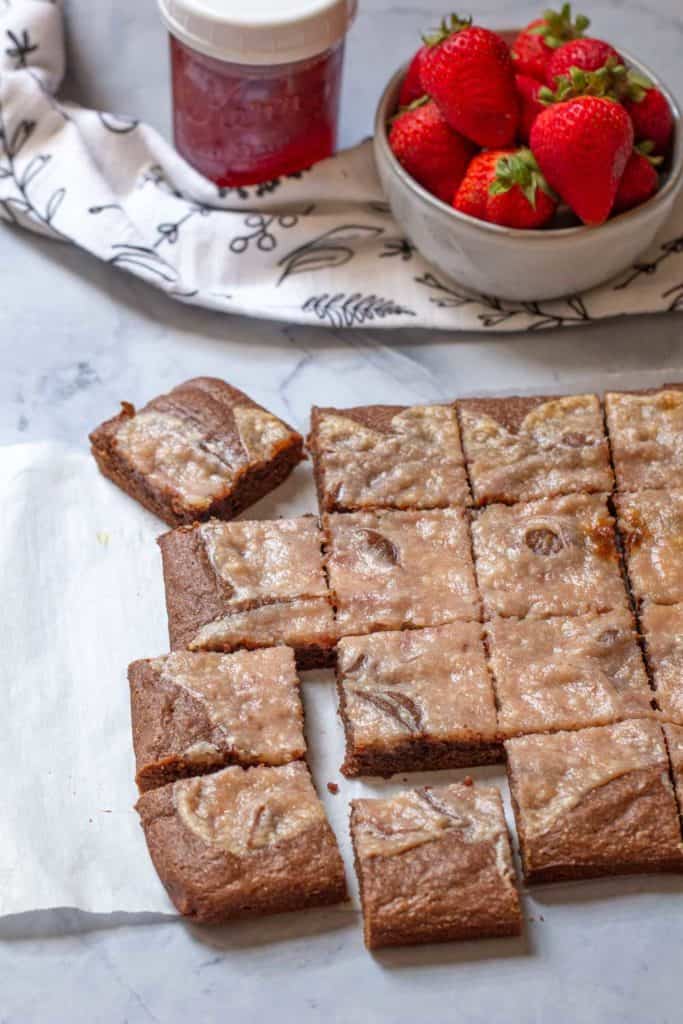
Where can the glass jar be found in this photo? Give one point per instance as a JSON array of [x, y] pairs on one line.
[[255, 96]]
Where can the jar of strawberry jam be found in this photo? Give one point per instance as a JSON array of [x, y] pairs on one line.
[[256, 84]]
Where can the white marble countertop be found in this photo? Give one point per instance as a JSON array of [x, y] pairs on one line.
[[75, 338]]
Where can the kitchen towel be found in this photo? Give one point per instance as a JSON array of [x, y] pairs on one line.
[[320, 247]]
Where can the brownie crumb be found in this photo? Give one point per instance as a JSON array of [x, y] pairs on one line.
[[332, 788]]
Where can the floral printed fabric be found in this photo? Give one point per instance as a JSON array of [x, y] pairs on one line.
[[319, 247]]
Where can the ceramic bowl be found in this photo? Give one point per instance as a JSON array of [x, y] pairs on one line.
[[514, 264]]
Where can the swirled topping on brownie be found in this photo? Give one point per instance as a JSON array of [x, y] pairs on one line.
[[249, 584], [567, 673], [242, 811], [646, 434], [391, 569], [205, 449], [243, 842], [662, 627], [518, 449], [434, 864], [266, 560], [416, 699], [595, 801], [387, 456], [195, 712], [651, 526], [552, 557]]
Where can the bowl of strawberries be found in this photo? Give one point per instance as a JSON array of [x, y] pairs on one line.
[[528, 165]]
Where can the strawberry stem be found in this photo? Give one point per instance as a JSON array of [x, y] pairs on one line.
[[612, 81], [520, 169], [646, 149], [638, 86], [558, 28], [448, 27], [409, 107]]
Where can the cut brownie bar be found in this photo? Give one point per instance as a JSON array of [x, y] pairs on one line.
[[594, 802], [651, 524], [518, 449], [205, 449], [567, 673], [416, 700], [435, 865], [390, 570], [554, 557], [249, 584], [243, 842], [387, 456], [646, 434], [193, 713], [662, 627], [674, 742]]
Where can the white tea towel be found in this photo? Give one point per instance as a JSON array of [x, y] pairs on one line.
[[320, 247]]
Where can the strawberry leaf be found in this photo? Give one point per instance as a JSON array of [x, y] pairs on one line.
[[637, 86], [612, 81], [558, 28], [646, 149], [409, 108], [448, 27], [520, 169]]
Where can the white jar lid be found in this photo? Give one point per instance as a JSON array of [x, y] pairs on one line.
[[258, 31]]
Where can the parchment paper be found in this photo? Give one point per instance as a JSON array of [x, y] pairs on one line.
[[82, 597]]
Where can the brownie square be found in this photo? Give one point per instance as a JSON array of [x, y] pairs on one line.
[[249, 584], [518, 449], [205, 449], [391, 569], [646, 434], [416, 700], [434, 865], [193, 713], [387, 456], [651, 526], [554, 557], [662, 627], [594, 802], [674, 743], [567, 673], [243, 842]]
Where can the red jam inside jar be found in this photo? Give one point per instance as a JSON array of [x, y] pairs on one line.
[[240, 124], [256, 85]]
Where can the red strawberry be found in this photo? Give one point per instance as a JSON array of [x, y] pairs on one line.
[[468, 72], [435, 155], [472, 194], [505, 187], [411, 88], [586, 54], [652, 118], [534, 46], [582, 147], [531, 106], [640, 180]]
